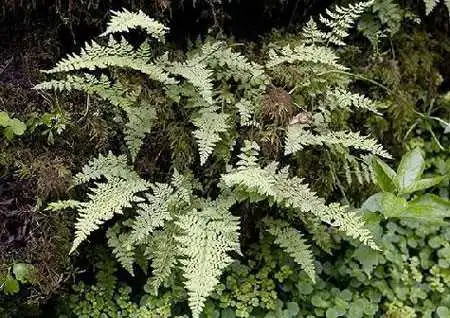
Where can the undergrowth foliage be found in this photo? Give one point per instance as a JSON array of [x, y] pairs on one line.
[[183, 225]]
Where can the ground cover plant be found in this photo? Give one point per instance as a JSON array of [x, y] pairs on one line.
[[230, 180]]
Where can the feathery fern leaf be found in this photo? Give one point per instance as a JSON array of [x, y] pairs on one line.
[[312, 34], [152, 214], [431, 4], [116, 94], [339, 98], [292, 193], [109, 166], [246, 110], [62, 205], [341, 19], [209, 236], [115, 54], [209, 126], [196, 73], [122, 249], [140, 122], [305, 53], [238, 67], [162, 249], [105, 200], [292, 241], [123, 21], [297, 138]]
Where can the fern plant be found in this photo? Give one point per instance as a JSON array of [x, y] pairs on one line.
[[431, 4], [189, 225]]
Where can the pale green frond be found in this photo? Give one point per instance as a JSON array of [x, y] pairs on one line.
[[246, 110], [341, 19], [183, 188], [343, 99], [121, 247], [312, 34], [123, 21], [153, 213], [292, 193], [297, 138], [293, 243], [198, 75], [208, 238], [234, 65], [62, 205], [109, 166], [209, 126], [359, 168], [162, 249], [116, 93], [105, 200], [430, 5], [114, 54], [304, 53], [140, 122]]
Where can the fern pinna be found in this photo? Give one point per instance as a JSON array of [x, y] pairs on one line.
[[179, 225]]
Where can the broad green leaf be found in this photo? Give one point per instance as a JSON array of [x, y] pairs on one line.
[[10, 286], [393, 206], [423, 184], [18, 127], [385, 176], [443, 312], [8, 133], [356, 309], [410, 169], [4, 119], [25, 273], [374, 203], [368, 258], [293, 309], [425, 212]]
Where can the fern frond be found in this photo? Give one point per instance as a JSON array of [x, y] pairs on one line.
[[140, 122], [292, 193], [153, 213], [341, 19], [121, 248], [105, 200], [312, 34], [209, 236], [62, 205], [239, 68], [109, 166], [162, 249], [246, 110], [292, 241], [116, 93], [123, 21], [305, 54], [198, 75], [297, 138], [360, 168], [209, 126], [115, 54], [430, 5], [339, 98]]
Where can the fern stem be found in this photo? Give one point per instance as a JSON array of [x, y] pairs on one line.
[[359, 77]]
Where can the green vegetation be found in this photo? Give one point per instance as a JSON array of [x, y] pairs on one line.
[[233, 179]]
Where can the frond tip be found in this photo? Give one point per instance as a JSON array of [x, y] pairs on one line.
[[292, 241], [209, 236], [297, 138], [123, 21]]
